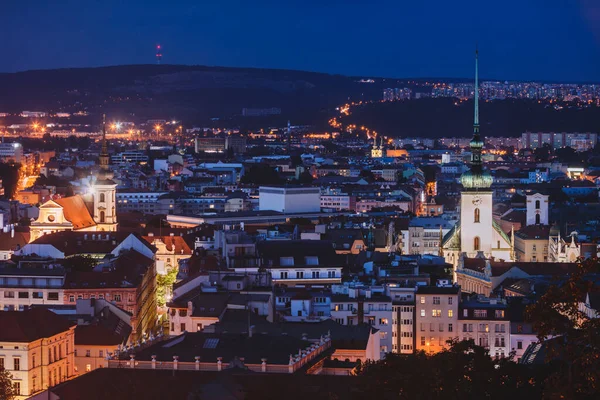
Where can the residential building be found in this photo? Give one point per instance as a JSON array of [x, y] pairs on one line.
[[31, 284], [364, 305], [37, 349], [436, 320], [486, 322]]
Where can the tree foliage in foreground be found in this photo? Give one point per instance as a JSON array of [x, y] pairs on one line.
[[464, 370], [571, 336], [7, 390]]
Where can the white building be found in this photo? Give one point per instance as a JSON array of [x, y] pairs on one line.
[[537, 209], [403, 308], [37, 349], [358, 305], [290, 199]]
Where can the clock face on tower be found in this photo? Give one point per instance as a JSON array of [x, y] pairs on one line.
[[476, 201]]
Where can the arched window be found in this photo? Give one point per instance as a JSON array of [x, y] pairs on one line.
[[476, 243], [537, 219], [102, 198], [476, 215], [101, 216], [537, 204]]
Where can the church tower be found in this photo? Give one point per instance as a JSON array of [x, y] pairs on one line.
[[477, 234], [105, 190], [476, 199]]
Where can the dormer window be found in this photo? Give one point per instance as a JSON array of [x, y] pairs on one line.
[[286, 261], [311, 260]]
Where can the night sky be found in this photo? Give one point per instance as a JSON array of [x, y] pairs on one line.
[[518, 39]]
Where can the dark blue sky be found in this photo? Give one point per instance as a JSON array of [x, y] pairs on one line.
[[518, 39]]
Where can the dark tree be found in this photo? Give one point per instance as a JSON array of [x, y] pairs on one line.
[[9, 173], [464, 371], [574, 349], [7, 390]]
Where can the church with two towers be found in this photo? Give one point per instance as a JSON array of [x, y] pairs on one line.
[[74, 213]]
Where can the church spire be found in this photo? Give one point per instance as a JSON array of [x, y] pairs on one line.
[[441, 245], [476, 95], [104, 153]]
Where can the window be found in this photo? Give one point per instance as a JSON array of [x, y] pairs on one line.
[[33, 360], [431, 327], [283, 275], [102, 200], [88, 367], [88, 353], [74, 352], [1, 362], [198, 327], [422, 313], [17, 364], [383, 334], [450, 313], [17, 386], [537, 219], [422, 299], [480, 313], [422, 340], [520, 345], [436, 313], [476, 215], [37, 295], [100, 353], [499, 328], [441, 327], [52, 295], [519, 328], [450, 300], [465, 313], [102, 216], [117, 297], [23, 295], [183, 327], [422, 327], [331, 274], [315, 274], [436, 300], [476, 242], [449, 327], [299, 274], [537, 204], [383, 321], [9, 294]]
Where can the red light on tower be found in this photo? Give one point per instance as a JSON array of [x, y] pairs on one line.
[[158, 54]]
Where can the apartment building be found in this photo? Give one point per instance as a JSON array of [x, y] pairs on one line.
[[436, 319], [31, 284], [364, 305], [486, 322]]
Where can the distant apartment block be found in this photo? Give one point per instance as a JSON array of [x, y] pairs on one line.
[[260, 112], [290, 199], [576, 140], [11, 152], [33, 114]]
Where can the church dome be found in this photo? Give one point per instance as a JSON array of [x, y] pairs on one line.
[[476, 180]]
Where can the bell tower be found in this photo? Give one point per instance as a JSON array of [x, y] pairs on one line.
[[105, 190]]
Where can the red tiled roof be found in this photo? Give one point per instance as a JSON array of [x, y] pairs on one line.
[[30, 325], [9, 242], [76, 212], [172, 242]]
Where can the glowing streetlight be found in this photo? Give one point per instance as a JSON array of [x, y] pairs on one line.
[[157, 128]]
